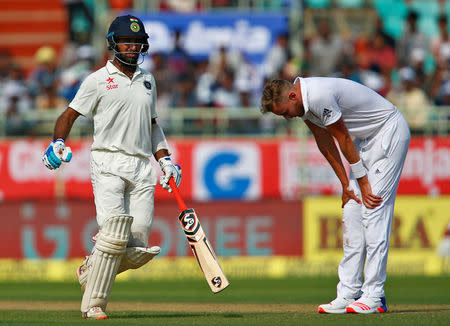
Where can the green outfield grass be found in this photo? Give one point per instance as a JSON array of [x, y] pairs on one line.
[[411, 300]]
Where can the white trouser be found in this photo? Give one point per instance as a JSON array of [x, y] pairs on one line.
[[366, 232], [124, 184]]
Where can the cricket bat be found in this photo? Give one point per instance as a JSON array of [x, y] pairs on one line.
[[202, 249]]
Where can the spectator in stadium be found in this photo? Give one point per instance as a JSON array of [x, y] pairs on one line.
[[348, 69], [72, 75], [5, 65], [440, 44], [411, 100], [223, 59], [14, 94], [204, 85], [183, 95], [166, 79], [277, 56], [80, 18], [379, 29], [49, 99], [374, 137], [247, 81], [444, 97], [46, 72], [324, 51], [226, 95], [180, 6], [413, 45], [440, 85], [15, 102], [178, 59], [381, 54]]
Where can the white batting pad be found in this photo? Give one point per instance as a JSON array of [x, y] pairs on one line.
[[109, 249], [136, 257]]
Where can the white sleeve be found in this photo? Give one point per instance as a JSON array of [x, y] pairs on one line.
[[327, 111], [154, 114], [86, 98], [158, 139]]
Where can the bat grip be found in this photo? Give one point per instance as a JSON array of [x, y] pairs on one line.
[[177, 194]]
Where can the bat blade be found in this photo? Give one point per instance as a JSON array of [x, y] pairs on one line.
[[203, 251]]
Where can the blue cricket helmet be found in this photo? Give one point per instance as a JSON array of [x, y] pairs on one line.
[[126, 26]]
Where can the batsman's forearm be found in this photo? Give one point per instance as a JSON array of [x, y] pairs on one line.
[[161, 153], [62, 128], [64, 124]]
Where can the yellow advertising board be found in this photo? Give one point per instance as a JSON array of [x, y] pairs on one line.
[[419, 225]]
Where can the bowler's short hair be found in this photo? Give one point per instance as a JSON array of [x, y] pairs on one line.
[[274, 93]]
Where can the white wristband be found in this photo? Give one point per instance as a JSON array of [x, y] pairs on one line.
[[358, 169]]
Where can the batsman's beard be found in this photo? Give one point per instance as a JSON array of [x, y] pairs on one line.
[[131, 61]]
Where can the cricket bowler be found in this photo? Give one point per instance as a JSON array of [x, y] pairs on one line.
[[374, 137]]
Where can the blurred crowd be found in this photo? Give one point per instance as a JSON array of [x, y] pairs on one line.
[[411, 71]]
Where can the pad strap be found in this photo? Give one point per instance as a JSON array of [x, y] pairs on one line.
[[136, 257]]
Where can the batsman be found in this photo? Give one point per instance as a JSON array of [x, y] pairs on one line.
[[121, 99]]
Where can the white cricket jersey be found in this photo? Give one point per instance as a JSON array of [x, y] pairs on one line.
[[327, 99], [122, 109]]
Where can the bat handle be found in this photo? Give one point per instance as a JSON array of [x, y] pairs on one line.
[[176, 193]]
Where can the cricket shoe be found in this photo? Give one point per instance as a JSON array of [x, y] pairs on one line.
[[367, 305], [337, 306], [95, 313]]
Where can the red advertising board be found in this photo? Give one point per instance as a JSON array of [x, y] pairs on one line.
[[247, 169], [63, 229]]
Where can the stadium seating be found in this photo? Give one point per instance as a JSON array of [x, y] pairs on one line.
[[429, 8], [388, 8], [350, 3], [394, 26], [428, 26], [318, 4], [27, 25]]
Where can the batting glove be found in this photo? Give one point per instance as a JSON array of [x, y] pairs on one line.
[[56, 153], [170, 170]]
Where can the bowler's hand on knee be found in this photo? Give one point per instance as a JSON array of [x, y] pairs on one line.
[[369, 200], [347, 194]]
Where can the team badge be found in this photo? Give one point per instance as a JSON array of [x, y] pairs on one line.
[[147, 84], [135, 27]]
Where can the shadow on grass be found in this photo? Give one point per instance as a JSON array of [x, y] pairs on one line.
[[173, 315], [422, 310]]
